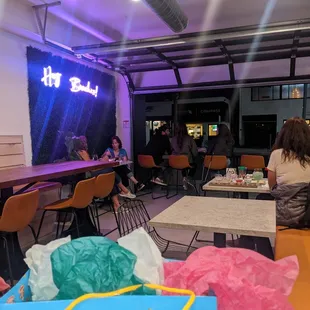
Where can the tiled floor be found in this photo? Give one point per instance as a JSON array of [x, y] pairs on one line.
[[107, 222]]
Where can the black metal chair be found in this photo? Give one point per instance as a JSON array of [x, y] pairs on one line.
[[132, 215]]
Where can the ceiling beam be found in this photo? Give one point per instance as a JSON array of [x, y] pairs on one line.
[[230, 63], [222, 61], [165, 59], [294, 49], [224, 84]]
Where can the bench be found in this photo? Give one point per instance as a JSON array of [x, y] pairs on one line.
[[12, 155], [296, 242]]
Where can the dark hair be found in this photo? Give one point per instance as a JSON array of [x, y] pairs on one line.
[[180, 133], [294, 140], [119, 141], [224, 131]]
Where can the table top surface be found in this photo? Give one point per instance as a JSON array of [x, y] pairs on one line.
[[22, 175], [239, 189], [220, 215]]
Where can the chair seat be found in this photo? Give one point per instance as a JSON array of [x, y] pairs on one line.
[[59, 205], [41, 186]]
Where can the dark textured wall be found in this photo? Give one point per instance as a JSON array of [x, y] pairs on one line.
[[56, 111]]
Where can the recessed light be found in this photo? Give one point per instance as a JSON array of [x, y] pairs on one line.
[[135, 0]]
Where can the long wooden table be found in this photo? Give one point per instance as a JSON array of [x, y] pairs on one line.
[[22, 175]]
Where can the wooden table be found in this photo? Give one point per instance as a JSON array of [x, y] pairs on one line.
[[22, 175], [220, 216], [239, 189]]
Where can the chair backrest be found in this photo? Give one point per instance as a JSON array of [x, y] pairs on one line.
[[83, 193], [18, 211], [218, 162], [104, 184], [252, 162], [130, 216], [178, 162], [146, 161]]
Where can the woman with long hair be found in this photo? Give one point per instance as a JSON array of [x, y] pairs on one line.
[[289, 171], [183, 144], [222, 144], [117, 152]]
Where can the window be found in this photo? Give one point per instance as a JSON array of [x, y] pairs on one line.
[[296, 91], [293, 91]]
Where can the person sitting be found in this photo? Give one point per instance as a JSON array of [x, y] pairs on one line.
[[288, 179], [157, 147], [183, 144], [289, 172], [117, 152], [222, 144], [79, 152]]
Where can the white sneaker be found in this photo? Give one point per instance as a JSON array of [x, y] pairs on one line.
[[129, 195], [159, 182]]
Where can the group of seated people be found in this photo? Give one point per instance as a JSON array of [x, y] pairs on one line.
[[122, 173]]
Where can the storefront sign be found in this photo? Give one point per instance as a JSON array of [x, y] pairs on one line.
[[51, 79]]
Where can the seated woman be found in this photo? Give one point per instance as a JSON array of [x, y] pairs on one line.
[[183, 144], [79, 152], [117, 152], [288, 178], [289, 171]]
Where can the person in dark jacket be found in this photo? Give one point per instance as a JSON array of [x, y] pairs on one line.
[[222, 144], [158, 146], [183, 144]]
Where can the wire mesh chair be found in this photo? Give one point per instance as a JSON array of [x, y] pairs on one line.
[[133, 215]]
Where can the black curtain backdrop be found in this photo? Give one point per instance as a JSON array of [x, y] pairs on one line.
[[56, 111]]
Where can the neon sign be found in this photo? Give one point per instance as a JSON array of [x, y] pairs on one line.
[[51, 79], [76, 86]]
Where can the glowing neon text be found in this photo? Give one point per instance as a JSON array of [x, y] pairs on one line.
[[50, 78], [76, 86], [53, 79]]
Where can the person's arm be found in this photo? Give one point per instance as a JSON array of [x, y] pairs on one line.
[[168, 148], [272, 179], [106, 155], [124, 155], [272, 168]]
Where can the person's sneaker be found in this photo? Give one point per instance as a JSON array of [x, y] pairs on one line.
[[159, 181], [140, 187], [128, 195]]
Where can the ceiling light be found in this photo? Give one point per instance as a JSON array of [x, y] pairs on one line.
[[135, 0]]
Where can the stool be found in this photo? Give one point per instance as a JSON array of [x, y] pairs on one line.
[[103, 187], [179, 163], [147, 162], [296, 242], [82, 198], [252, 162], [213, 162], [17, 214]]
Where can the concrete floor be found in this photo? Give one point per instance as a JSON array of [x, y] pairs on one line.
[[107, 222]]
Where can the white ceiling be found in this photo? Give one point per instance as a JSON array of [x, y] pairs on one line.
[[133, 20]]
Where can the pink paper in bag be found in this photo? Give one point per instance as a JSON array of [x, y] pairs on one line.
[[241, 279], [3, 285]]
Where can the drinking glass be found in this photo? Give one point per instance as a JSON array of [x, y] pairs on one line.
[[258, 174], [242, 172]]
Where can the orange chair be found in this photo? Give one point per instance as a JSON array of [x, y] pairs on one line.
[[296, 242], [82, 198], [252, 162], [103, 187], [214, 162], [17, 214], [179, 163], [147, 162]]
